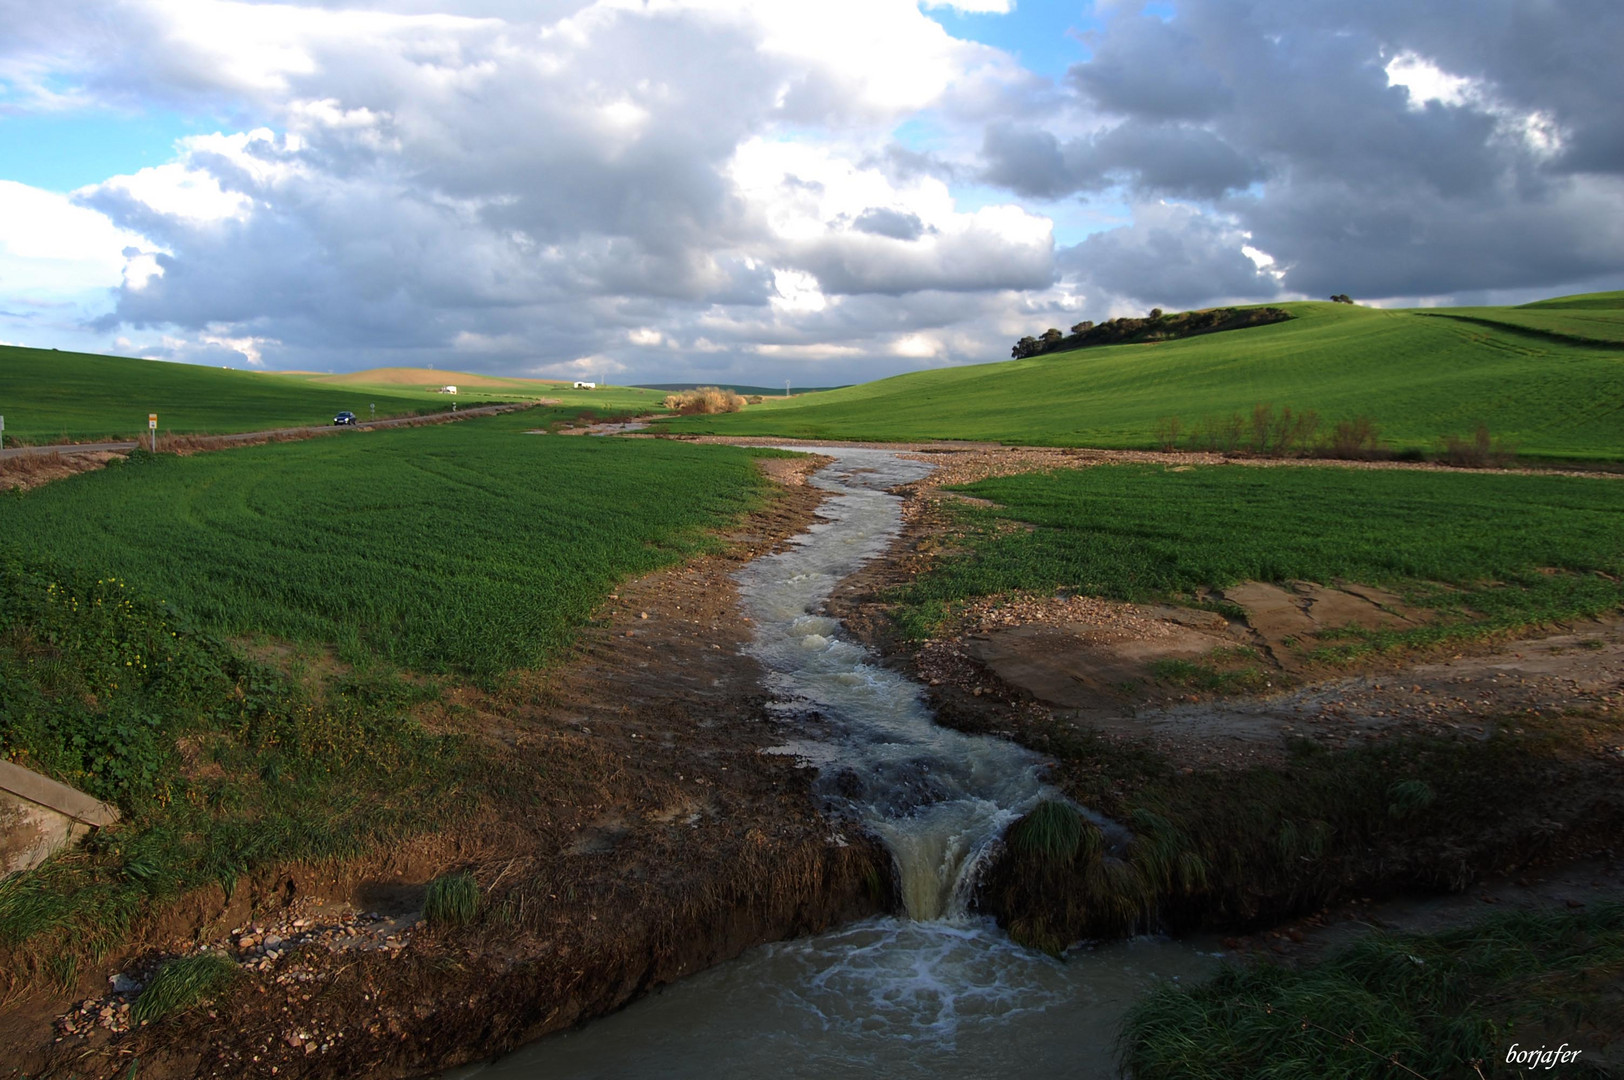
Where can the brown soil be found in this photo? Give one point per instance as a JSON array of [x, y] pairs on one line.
[[33, 470], [635, 835]]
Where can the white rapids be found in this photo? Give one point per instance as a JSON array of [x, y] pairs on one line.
[[938, 799]]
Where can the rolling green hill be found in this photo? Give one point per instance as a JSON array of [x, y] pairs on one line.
[[48, 396], [1419, 376]]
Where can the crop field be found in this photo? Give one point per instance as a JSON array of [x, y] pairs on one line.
[[1513, 549], [1593, 318], [1420, 378], [48, 396], [471, 547]]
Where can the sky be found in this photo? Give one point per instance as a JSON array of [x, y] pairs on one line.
[[754, 191]]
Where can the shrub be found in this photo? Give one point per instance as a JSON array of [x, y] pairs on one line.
[[451, 900], [706, 400], [182, 983], [1479, 452], [1356, 438], [1167, 433]]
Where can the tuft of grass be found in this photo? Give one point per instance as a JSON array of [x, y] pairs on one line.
[[1445, 1005], [1406, 797], [1054, 831], [182, 983], [451, 900]]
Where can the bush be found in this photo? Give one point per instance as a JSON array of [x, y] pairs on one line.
[[451, 900], [1353, 439], [1479, 452], [706, 400]]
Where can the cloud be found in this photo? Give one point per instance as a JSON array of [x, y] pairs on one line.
[[747, 188], [1379, 149], [1172, 257], [884, 221]]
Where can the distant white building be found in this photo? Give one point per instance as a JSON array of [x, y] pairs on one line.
[[445, 390], [586, 386]]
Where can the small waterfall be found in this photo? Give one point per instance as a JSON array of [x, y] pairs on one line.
[[938, 799]]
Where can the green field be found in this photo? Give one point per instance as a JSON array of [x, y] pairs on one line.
[[1135, 532], [48, 396], [469, 547], [1419, 376], [1592, 318]]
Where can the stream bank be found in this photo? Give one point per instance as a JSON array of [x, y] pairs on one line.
[[629, 833]]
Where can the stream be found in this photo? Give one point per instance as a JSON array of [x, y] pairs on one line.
[[938, 993]]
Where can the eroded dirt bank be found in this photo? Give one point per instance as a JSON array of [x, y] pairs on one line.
[[1306, 783], [632, 835]]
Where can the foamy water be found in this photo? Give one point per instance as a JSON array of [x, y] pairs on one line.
[[938, 799]]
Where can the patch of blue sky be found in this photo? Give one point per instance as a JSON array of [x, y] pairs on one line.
[[1044, 35], [920, 133], [64, 150]]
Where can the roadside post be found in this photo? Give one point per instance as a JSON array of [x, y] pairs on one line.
[[374, 407], [152, 426], [2, 432]]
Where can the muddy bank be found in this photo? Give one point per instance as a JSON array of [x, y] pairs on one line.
[[629, 834], [1235, 808]]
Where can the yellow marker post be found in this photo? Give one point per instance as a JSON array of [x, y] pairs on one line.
[[152, 426]]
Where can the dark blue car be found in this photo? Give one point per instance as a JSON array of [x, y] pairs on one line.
[[345, 417]]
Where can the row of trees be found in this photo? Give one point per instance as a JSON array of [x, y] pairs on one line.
[[1156, 326]]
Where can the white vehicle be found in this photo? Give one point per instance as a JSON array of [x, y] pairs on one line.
[[586, 386]]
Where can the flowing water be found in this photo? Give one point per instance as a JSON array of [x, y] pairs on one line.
[[940, 993]]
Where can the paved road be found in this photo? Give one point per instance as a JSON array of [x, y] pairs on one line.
[[245, 436]]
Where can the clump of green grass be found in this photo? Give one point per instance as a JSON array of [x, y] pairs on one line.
[[182, 983], [451, 900], [1446, 1005], [1208, 676], [1053, 831]]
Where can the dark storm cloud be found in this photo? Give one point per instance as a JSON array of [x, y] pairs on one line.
[[1171, 257], [884, 221], [1511, 179], [1169, 159]]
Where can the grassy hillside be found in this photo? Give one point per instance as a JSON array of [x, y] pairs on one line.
[[1593, 318], [48, 396], [1420, 377]]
